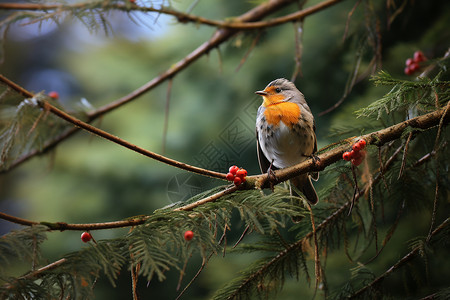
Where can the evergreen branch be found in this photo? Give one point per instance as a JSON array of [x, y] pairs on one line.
[[404, 95], [235, 23], [253, 275], [325, 159], [211, 198], [405, 259], [61, 226], [21, 245], [43, 269]]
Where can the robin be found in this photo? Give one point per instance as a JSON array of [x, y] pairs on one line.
[[285, 133]]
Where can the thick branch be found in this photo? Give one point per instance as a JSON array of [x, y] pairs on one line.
[[378, 138], [425, 121], [235, 23]]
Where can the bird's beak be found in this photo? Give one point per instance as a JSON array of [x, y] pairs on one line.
[[262, 93]]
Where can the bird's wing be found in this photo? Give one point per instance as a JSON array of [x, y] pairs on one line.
[[264, 163]]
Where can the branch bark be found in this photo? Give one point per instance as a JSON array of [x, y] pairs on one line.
[[378, 138], [235, 23], [439, 117]]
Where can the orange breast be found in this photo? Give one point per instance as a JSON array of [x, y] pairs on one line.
[[286, 112]]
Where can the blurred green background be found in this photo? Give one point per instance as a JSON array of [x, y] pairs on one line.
[[211, 117]]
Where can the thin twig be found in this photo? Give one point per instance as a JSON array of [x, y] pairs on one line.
[[405, 151], [356, 191], [298, 28], [399, 263], [204, 262], [436, 192], [101, 133], [350, 14], [166, 116], [242, 236], [48, 267], [390, 232], [207, 199], [250, 49]]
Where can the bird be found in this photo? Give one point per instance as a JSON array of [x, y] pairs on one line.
[[285, 134]]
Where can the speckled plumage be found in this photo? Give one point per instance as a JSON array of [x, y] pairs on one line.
[[285, 132]]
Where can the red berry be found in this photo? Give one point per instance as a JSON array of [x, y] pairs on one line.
[[408, 71], [237, 181], [419, 57], [86, 237], [233, 170], [241, 173], [355, 154], [230, 177], [358, 158], [362, 143], [409, 61], [188, 235], [414, 67], [53, 94], [346, 156], [356, 147], [357, 161]]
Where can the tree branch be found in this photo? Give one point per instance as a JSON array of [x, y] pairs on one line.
[[401, 262], [378, 138], [48, 107], [235, 23], [218, 38], [439, 117]]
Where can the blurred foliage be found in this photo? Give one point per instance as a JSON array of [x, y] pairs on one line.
[[89, 180]]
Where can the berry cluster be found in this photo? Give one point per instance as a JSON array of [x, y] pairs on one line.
[[237, 175], [357, 154], [188, 235], [86, 237], [413, 64]]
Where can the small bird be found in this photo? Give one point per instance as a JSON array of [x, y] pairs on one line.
[[285, 133]]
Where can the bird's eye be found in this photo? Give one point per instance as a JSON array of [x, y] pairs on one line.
[[278, 90]]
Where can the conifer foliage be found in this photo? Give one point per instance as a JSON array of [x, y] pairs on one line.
[[362, 206]]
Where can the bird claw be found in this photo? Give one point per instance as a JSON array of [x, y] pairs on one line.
[[315, 159]]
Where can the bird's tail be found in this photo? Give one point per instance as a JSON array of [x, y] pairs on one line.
[[303, 184]]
